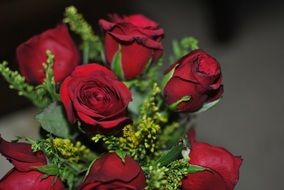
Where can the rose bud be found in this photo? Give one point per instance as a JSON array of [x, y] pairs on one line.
[[131, 43], [24, 175], [32, 54], [222, 167], [193, 83], [93, 95], [111, 172]]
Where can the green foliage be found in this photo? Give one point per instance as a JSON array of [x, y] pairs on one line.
[[171, 155], [154, 72], [40, 95], [167, 77], [151, 75], [116, 64], [182, 47], [91, 44], [17, 82], [170, 135], [140, 139], [49, 170], [194, 169], [66, 160], [177, 170], [121, 154], [168, 177], [174, 105], [155, 176], [53, 120], [49, 83]]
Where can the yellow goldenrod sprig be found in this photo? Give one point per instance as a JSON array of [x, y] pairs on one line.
[[91, 44]]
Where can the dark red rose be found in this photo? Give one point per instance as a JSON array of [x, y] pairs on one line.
[[196, 75], [32, 54], [137, 37], [223, 167], [24, 175], [110, 172], [94, 95]]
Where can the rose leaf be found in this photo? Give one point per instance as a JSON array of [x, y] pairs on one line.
[[195, 168], [170, 155], [53, 120], [49, 169]]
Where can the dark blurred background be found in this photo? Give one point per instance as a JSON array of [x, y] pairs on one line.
[[247, 38]]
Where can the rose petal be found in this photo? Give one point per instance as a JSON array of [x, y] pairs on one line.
[[218, 159], [176, 88], [15, 180], [32, 54], [110, 167], [114, 123], [206, 180], [90, 69], [137, 54], [21, 155]]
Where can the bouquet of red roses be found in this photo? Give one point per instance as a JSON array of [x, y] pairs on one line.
[[107, 120]]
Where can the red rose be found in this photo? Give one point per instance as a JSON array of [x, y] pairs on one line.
[[94, 95], [24, 175], [137, 38], [197, 76], [223, 167], [32, 54], [110, 172]]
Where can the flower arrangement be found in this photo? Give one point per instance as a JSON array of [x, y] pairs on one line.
[[109, 122]]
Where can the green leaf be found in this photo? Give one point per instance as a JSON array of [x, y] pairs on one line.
[[207, 106], [53, 120], [183, 47], [174, 105], [189, 43], [121, 154], [177, 49], [116, 64], [195, 168], [167, 77], [49, 169], [148, 66], [171, 155]]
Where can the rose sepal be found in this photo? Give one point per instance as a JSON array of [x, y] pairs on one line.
[[174, 105], [116, 65], [207, 106]]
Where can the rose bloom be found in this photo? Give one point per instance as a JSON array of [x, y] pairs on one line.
[[197, 75], [222, 167], [110, 172], [94, 95], [24, 175], [32, 54], [137, 37]]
